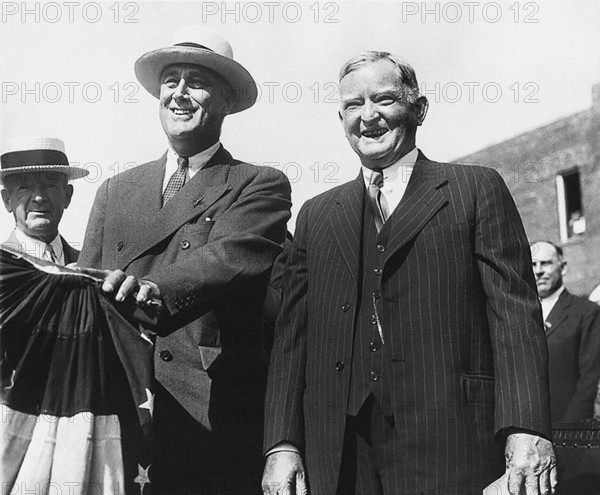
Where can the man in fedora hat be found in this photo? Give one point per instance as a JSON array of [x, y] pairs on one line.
[[198, 231], [34, 174]]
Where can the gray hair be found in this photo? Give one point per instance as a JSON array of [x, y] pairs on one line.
[[403, 68]]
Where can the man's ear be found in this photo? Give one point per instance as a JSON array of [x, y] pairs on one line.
[[6, 200], [422, 105], [69, 193], [340, 115], [564, 268]]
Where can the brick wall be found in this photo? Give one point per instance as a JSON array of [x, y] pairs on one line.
[[529, 164]]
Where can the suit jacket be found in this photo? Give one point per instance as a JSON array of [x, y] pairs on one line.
[[210, 250], [573, 334], [465, 353], [70, 253]]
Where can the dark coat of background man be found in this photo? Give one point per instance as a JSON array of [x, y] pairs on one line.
[[35, 174], [205, 249], [573, 336], [410, 350]]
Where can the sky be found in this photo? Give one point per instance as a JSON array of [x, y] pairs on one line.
[[491, 71]]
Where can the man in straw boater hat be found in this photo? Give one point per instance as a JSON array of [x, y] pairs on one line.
[[199, 231], [35, 175]]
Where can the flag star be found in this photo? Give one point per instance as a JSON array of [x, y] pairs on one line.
[[149, 404], [142, 478]]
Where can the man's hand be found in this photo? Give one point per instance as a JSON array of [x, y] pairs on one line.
[[284, 474], [124, 285], [530, 464]]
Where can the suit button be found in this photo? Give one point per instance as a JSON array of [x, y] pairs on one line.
[[373, 346], [184, 244], [345, 307], [377, 271], [120, 246], [339, 366], [373, 319], [373, 376], [166, 355], [380, 248]]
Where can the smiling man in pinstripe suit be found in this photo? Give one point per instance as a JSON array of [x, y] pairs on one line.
[[410, 350]]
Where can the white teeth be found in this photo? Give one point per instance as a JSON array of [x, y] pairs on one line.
[[374, 133], [180, 111]]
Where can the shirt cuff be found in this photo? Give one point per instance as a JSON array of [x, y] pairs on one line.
[[283, 447]]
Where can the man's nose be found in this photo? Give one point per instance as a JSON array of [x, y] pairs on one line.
[[38, 194], [181, 89], [369, 112]]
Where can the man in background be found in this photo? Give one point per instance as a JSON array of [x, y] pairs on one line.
[[573, 335], [35, 174]]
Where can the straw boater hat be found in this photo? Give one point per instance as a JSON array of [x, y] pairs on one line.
[[33, 154], [199, 46]]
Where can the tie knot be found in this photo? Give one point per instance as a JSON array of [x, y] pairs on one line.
[[376, 178], [49, 254], [183, 162]]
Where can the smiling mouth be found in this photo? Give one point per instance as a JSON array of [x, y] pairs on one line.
[[374, 133], [182, 111]]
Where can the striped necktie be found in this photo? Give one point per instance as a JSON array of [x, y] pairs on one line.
[[177, 180], [49, 254], [377, 199]]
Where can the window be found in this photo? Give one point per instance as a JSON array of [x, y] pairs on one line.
[[570, 207]]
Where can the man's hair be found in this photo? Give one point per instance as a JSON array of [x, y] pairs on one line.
[[559, 250], [403, 68]]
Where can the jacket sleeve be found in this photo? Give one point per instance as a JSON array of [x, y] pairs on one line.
[[242, 246], [581, 405], [91, 253], [513, 310], [284, 418]]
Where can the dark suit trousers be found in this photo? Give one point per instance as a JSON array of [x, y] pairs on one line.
[[190, 460], [372, 455]]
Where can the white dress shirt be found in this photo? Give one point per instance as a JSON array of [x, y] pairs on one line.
[[549, 302], [395, 178], [36, 248], [196, 162]]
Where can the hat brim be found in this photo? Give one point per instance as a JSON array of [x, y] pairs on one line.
[[72, 173], [149, 67]]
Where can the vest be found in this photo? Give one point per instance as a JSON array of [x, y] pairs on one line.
[[367, 375]]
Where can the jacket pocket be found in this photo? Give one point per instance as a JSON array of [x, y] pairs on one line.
[[478, 388]]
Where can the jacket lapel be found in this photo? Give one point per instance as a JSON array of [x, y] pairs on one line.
[[197, 195], [346, 222], [422, 199], [70, 254], [559, 313]]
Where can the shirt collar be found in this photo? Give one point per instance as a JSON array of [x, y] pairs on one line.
[[36, 248], [196, 162], [398, 171], [552, 298]]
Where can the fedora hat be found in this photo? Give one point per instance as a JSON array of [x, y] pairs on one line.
[[199, 46], [36, 154]]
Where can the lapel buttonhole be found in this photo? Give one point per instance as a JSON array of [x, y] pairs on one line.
[[198, 201]]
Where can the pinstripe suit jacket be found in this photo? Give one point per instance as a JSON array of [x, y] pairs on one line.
[[465, 349]]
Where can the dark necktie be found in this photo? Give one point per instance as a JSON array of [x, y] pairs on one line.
[[177, 180], [377, 199]]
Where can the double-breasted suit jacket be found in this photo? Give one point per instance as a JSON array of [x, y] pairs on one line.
[[210, 250], [573, 334], [465, 356]]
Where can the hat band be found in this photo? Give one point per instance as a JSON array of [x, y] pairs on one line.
[[15, 159], [195, 45]]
